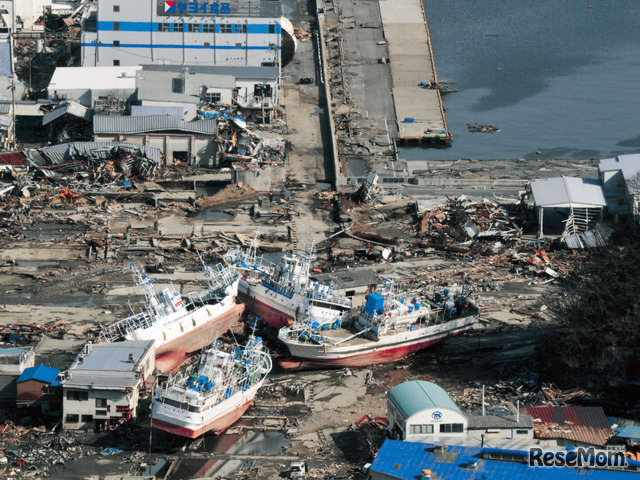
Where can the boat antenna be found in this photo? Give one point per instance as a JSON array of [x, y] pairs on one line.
[[145, 282]]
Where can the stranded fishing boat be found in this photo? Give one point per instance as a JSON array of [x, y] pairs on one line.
[[282, 292], [389, 327], [214, 395], [181, 326]]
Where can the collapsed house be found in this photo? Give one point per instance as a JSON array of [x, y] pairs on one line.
[[567, 205], [98, 162]]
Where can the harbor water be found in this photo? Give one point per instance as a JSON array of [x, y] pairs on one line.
[[559, 79]]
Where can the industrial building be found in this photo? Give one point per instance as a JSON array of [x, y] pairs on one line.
[[255, 91], [572, 425], [419, 461], [102, 385], [184, 143], [421, 411], [183, 33]]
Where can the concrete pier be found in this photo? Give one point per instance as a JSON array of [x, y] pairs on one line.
[[419, 112]]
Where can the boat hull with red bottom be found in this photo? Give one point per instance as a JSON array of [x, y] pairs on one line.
[[173, 354]]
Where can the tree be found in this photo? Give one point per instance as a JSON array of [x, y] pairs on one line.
[[596, 332]]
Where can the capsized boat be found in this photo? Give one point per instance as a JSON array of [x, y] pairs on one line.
[[282, 292], [181, 326], [390, 326], [214, 395]]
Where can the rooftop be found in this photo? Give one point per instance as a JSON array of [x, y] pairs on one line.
[[41, 373], [499, 421], [115, 124], [629, 165], [565, 192], [94, 78], [416, 395], [159, 85], [239, 72], [110, 357], [407, 460], [580, 424], [349, 279]]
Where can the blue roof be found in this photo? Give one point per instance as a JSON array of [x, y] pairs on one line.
[[630, 431], [42, 373], [406, 460], [411, 397]]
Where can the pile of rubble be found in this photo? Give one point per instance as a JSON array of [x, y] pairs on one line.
[[240, 146], [461, 219]]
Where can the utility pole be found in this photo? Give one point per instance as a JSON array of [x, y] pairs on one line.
[[13, 113]]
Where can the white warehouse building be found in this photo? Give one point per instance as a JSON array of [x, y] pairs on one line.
[[198, 32]]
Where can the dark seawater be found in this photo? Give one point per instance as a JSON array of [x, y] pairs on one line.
[[554, 75]]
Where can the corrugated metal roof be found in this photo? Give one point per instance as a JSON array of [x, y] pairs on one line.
[[5, 59], [567, 191], [580, 424], [349, 279], [239, 72], [598, 237], [14, 159], [143, 111], [631, 432], [64, 152], [71, 108], [42, 373], [114, 124], [412, 397], [499, 421], [406, 461]]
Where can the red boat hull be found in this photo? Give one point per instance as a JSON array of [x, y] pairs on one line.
[[274, 317], [217, 426], [173, 354], [357, 360]]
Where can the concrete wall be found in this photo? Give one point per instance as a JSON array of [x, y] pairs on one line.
[[200, 149], [144, 42], [268, 179]]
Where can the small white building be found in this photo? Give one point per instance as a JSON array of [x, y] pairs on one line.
[[86, 85], [567, 205], [620, 178], [13, 361], [103, 384], [418, 410]]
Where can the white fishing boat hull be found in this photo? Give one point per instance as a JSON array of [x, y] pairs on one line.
[[362, 352], [277, 309], [183, 333], [216, 419]]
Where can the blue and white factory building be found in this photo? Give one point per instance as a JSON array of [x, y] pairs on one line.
[[235, 33]]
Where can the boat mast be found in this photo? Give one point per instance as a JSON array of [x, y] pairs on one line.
[[145, 282]]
